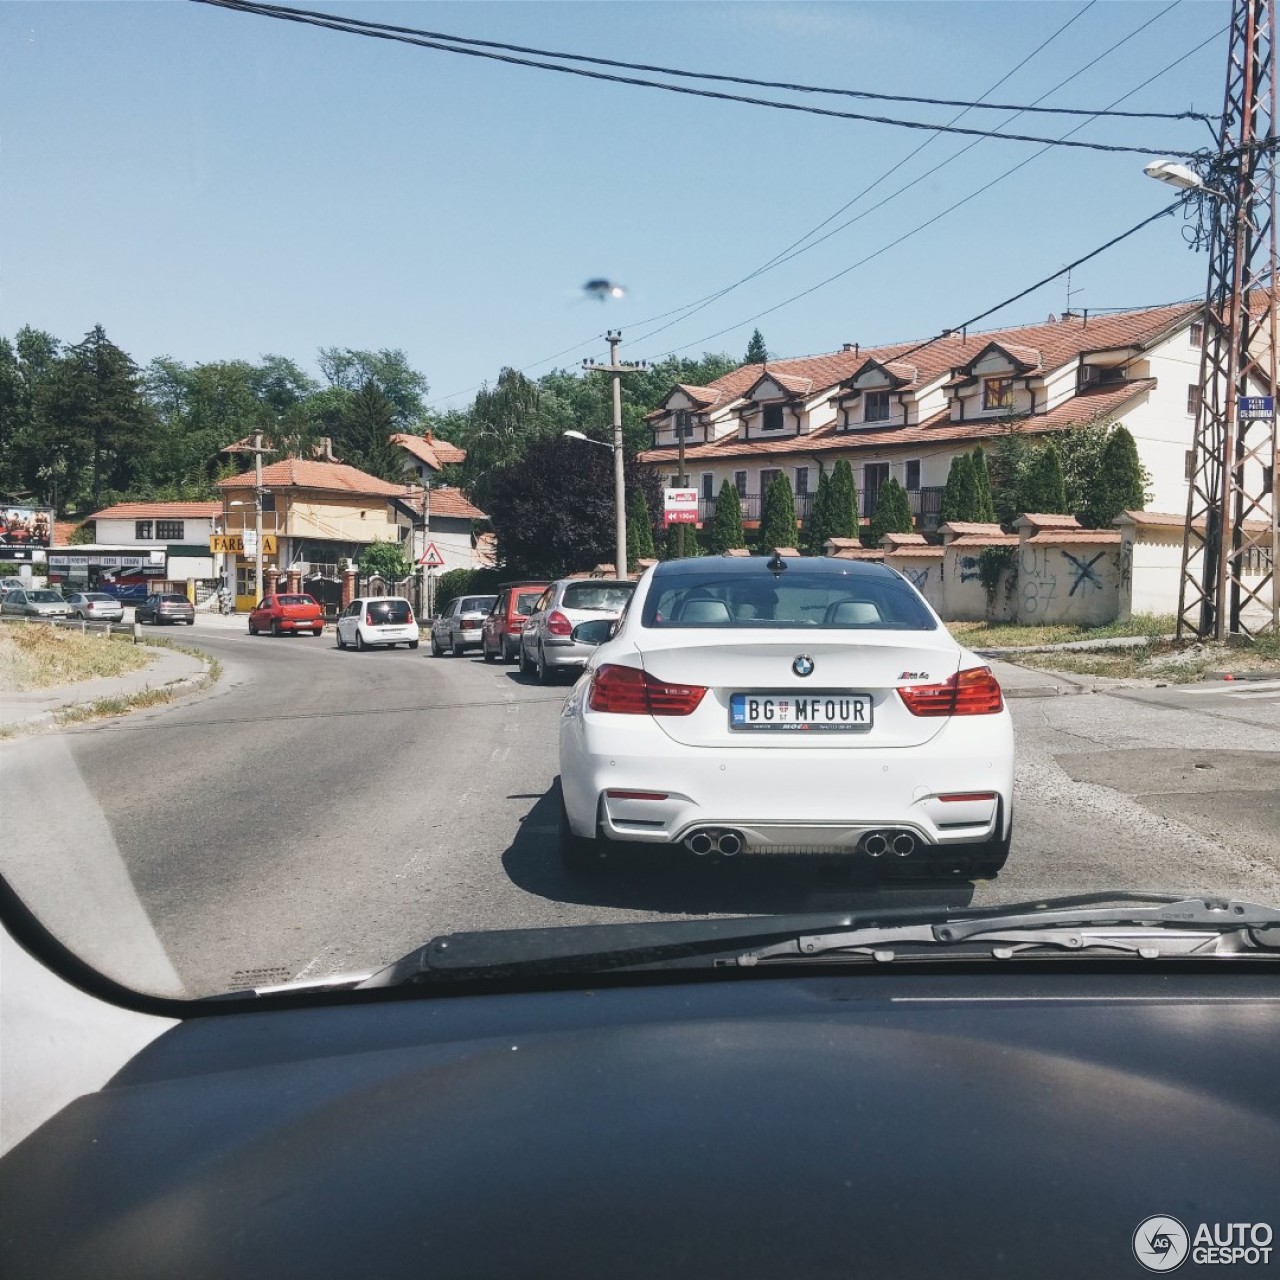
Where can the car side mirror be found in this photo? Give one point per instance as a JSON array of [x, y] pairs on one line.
[[595, 631]]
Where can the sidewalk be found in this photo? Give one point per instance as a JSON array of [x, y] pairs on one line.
[[171, 670], [1024, 682]]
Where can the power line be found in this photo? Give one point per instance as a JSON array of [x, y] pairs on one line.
[[353, 23], [352, 27], [793, 251], [987, 186]]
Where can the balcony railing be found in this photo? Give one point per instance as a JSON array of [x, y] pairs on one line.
[[926, 506]]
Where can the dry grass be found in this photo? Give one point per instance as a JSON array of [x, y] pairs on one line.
[[1163, 660], [36, 656], [1008, 635], [106, 707]]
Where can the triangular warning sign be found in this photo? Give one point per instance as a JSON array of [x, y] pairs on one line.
[[431, 557]]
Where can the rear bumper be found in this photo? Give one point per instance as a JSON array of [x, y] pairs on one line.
[[561, 651], [792, 800]]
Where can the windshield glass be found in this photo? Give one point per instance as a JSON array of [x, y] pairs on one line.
[[844, 479]]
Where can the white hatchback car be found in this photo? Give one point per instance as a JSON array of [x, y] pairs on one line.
[[371, 620], [808, 705]]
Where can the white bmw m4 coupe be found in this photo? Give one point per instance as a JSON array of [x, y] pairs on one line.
[[801, 705]]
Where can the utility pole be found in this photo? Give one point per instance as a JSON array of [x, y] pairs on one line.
[[257, 516], [614, 339], [683, 483], [1231, 544]]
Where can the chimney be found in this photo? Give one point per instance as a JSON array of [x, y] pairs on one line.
[[850, 346]]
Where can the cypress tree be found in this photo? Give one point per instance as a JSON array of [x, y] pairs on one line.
[[843, 511], [819, 527], [757, 352], [639, 528], [726, 527], [778, 521], [959, 493], [893, 512], [982, 478], [1121, 484], [1045, 489]]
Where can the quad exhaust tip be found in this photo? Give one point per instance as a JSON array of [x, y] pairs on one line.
[[875, 845], [702, 843], [878, 843], [904, 844]]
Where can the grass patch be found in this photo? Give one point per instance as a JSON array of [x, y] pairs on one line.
[[37, 656], [106, 707], [1008, 635], [1170, 661]]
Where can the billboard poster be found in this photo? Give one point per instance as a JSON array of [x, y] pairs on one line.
[[26, 526]]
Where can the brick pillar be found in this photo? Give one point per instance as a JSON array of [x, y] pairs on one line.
[[295, 582], [348, 586], [270, 577]]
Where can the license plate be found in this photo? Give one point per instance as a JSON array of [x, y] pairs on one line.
[[806, 713]]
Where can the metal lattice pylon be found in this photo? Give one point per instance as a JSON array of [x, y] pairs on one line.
[[1231, 543]]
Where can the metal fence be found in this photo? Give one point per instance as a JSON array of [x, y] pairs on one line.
[[926, 506]]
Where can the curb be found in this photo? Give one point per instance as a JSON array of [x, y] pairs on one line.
[[1041, 691], [1241, 675]]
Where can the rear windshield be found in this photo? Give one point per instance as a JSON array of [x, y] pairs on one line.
[[605, 597], [477, 604], [100, 597], [822, 601], [526, 600], [175, 600], [295, 600], [388, 612]]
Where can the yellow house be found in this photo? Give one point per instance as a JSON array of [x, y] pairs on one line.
[[315, 515]]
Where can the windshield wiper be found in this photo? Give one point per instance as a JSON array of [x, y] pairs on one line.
[[1140, 924], [1186, 927]]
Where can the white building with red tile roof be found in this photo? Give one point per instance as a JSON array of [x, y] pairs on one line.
[[907, 409]]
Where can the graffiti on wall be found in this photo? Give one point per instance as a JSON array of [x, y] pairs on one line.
[[1039, 582], [968, 568], [919, 578], [1085, 575]]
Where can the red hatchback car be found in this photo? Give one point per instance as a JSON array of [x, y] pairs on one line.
[[285, 615], [500, 633]]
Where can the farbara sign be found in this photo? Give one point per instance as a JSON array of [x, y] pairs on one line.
[[233, 544], [680, 506]]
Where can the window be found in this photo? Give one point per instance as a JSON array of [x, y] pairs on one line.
[[1195, 334], [740, 483], [244, 579], [913, 475], [802, 480], [142, 529], [997, 393], [708, 486], [1255, 560], [874, 474], [772, 418], [877, 407], [171, 530], [1189, 464], [767, 476], [684, 423], [1193, 399]]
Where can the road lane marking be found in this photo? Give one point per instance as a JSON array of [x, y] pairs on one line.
[[1231, 686]]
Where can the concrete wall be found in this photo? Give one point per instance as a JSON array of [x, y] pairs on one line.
[[923, 572], [335, 518], [196, 531], [1076, 582], [964, 596]]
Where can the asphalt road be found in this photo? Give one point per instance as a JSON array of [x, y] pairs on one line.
[[323, 812]]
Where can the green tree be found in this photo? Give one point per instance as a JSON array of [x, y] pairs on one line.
[[843, 516], [757, 352], [671, 549], [1009, 465], [982, 479], [818, 530], [365, 428], [726, 526], [347, 369], [1121, 483], [385, 560], [639, 529], [960, 498], [893, 512], [778, 519], [1044, 489]]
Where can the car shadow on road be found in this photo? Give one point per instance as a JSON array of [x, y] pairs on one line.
[[674, 881]]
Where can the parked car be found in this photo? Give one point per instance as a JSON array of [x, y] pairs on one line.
[[458, 628], [11, 584], [856, 724], [22, 602], [371, 620], [167, 606], [547, 645], [95, 606], [500, 631], [286, 615]]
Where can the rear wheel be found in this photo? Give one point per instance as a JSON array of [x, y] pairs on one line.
[[361, 646], [577, 853], [545, 674], [436, 650], [413, 644], [342, 644], [526, 667], [456, 647], [276, 629], [488, 657], [253, 631]]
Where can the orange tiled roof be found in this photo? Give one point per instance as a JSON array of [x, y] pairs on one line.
[[795, 383], [970, 528], [1039, 521], [985, 540], [1076, 535], [159, 510], [913, 552], [327, 477], [437, 454], [1089, 406], [452, 503], [62, 531], [858, 553]]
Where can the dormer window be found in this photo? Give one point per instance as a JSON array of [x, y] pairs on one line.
[[772, 420], [877, 407], [997, 393]]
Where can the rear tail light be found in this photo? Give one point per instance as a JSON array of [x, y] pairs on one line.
[[469, 624], [630, 692], [558, 624], [975, 692], [368, 620]]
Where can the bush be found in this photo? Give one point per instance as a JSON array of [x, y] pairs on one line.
[[843, 512], [385, 560], [726, 526], [778, 520], [893, 512]]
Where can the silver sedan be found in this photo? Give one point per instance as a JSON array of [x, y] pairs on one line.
[[95, 606], [24, 603]]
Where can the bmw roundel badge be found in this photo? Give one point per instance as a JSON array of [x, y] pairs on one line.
[[803, 665]]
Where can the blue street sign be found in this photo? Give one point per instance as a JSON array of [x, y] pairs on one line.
[[1256, 406]]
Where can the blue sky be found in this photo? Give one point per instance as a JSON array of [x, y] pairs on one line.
[[211, 185]]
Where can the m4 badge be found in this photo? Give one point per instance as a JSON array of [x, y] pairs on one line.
[[914, 675]]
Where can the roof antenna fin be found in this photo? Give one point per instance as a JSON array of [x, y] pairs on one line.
[[777, 565]]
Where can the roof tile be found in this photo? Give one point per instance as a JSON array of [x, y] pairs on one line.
[[159, 510]]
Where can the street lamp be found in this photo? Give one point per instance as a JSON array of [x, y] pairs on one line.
[[619, 498], [1176, 175]]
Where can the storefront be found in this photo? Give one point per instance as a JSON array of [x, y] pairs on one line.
[[128, 573]]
